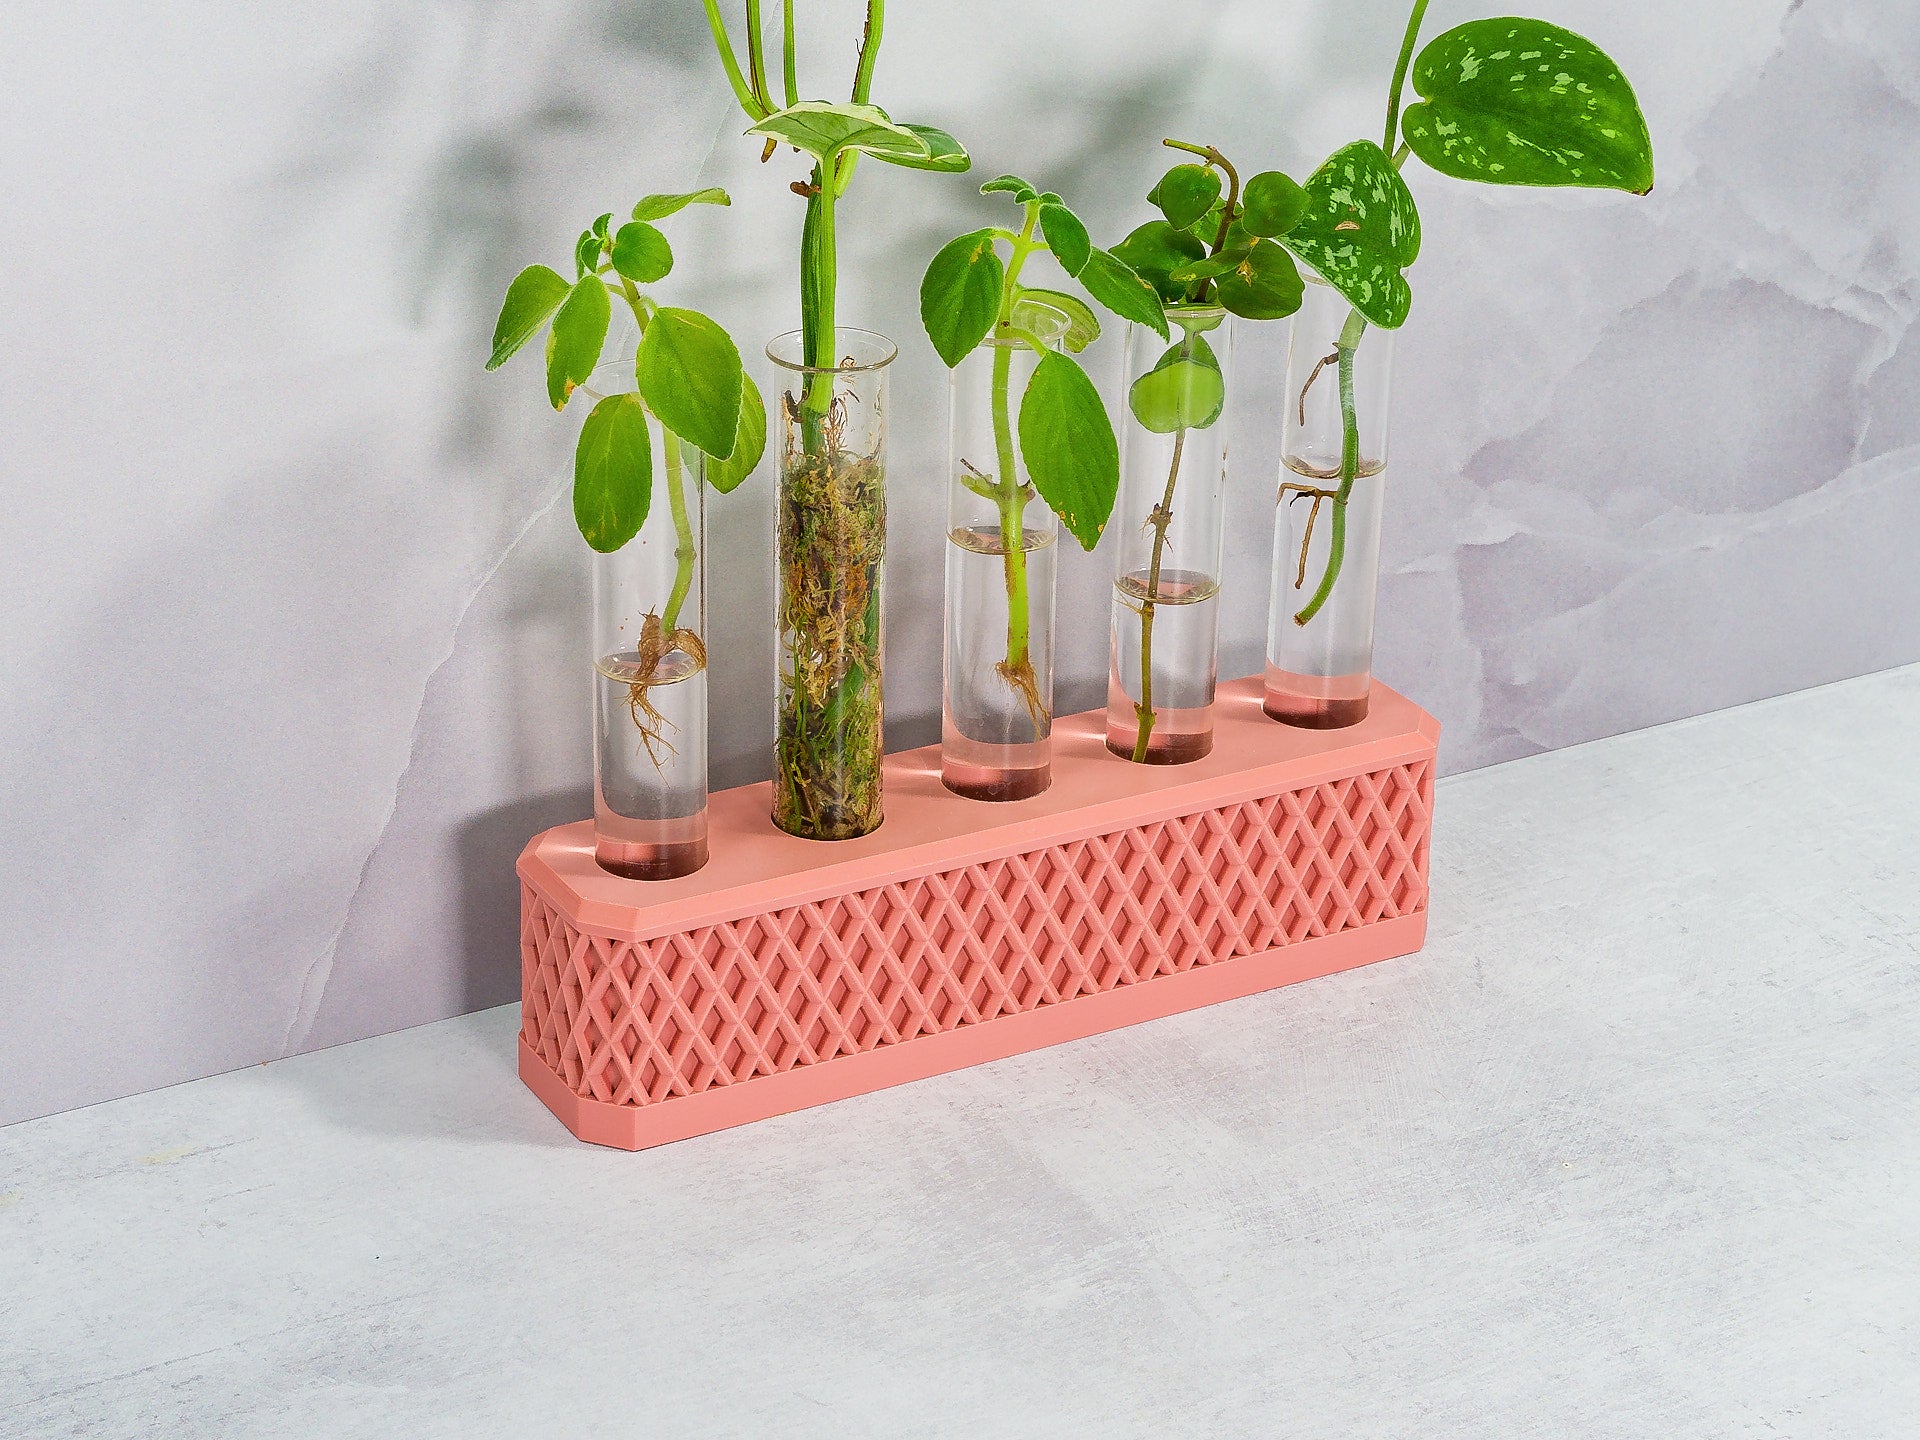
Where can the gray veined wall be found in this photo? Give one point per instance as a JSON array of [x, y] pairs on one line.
[[296, 610]]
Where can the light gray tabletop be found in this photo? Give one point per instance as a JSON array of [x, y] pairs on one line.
[[1632, 1148]]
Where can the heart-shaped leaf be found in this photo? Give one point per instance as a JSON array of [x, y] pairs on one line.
[[1271, 204], [1184, 391], [1360, 230], [1038, 311], [1185, 194], [1114, 283], [689, 373], [1069, 447], [823, 128], [1066, 236], [613, 473], [579, 330], [1010, 185], [1263, 286], [944, 153], [749, 443], [536, 292], [960, 295], [658, 207], [641, 253], [1522, 102], [1156, 249]]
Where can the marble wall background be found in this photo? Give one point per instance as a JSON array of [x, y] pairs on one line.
[[296, 612]]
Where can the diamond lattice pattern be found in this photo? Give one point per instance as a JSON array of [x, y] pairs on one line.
[[633, 1023]]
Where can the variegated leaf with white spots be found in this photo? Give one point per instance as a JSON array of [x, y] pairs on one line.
[[1522, 102], [1360, 230]]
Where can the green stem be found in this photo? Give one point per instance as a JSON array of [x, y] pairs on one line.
[[1400, 74], [684, 553], [869, 50], [788, 78], [757, 56], [1345, 346], [1161, 518], [1010, 495], [742, 92], [817, 284]]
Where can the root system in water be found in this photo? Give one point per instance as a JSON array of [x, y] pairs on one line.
[[832, 538], [663, 657]]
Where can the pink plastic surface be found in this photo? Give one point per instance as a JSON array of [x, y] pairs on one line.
[[789, 972]]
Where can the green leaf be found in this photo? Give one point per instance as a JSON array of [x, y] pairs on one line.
[[579, 330], [1041, 310], [1154, 250], [1068, 443], [823, 128], [960, 295], [599, 227], [689, 374], [641, 253], [586, 253], [1271, 204], [1360, 230], [536, 292], [944, 153], [1010, 185], [1522, 102], [658, 207], [1114, 283], [613, 473], [749, 442], [1207, 268], [1264, 286], [1185, 194], [1184, 391], [1065, 236]]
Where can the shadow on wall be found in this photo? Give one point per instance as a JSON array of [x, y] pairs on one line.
[[489, 845]]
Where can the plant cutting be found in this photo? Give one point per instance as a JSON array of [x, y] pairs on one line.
[[831, 527], [1209, 258], [1007, 341], [677, 415], [1504, 102]]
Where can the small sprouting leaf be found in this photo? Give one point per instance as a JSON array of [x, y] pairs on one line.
[[1041, 310], [586, 253], [1154, 250], [1069, 447], [579, 330], [944, 153], [1184, 391], [1522, 102], [749, 443], [536, 292], [1185, 194], [1271, 204], [1360, 231], [1065, 236], [960, 294], [658, 207], [689, 374], [641, 253], [1010, 185], [1264, 286], [613, 473], [1114, 283], [600, 226], [823, 128]]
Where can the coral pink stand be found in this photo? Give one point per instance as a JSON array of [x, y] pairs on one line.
[[790, 972]]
